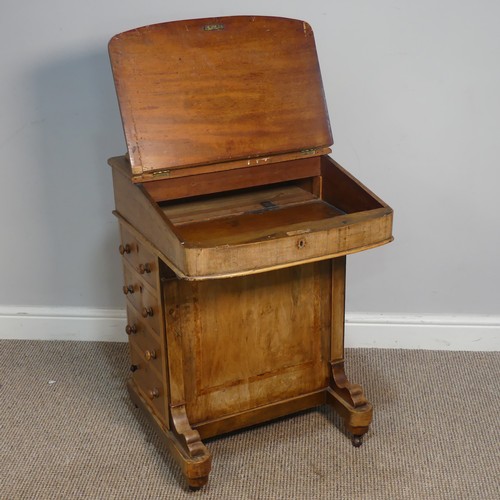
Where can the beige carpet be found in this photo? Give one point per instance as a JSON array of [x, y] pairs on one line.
[[68, 430]]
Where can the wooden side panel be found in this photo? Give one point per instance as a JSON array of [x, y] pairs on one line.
[[135, 206], [215, 90], [341, 189], [338, 309], [254, 340]]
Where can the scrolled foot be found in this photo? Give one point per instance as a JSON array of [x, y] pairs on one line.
[[351, 393], [187, 437], [350, 403]]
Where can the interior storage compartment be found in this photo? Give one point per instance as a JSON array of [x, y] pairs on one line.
[[281, 211], [246, 215], [235, 232]]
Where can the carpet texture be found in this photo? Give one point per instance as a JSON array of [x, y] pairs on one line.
[[68, 430]]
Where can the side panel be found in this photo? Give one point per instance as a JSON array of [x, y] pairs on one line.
[[252, 341], [140, 211], [344, 191]]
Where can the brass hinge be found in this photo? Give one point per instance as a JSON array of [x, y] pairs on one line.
[[213, 27], [165, 173], [310, 151]]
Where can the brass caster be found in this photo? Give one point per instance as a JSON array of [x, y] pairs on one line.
[[357, 441], [195, 483]]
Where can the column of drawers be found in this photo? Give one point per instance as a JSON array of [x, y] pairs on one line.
[[144, 323]]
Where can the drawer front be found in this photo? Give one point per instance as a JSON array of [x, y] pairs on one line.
[[132, 287], [139, 257], [150, 310], [148, 382], [144, 341], [142, 298]]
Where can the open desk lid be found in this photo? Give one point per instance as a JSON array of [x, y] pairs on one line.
[[208, 91]]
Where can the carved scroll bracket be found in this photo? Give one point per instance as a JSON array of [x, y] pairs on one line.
[[188, 437], [351, 393]]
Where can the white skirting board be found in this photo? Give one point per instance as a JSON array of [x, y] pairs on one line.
[[62, 323], [390, 331], [422, 331]]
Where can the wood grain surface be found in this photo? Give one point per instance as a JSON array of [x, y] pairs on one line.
[[227, 176], [214, 90]]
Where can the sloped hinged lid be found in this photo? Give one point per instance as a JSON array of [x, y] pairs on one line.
[[217, 90]]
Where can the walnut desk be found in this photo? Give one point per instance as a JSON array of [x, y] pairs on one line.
[[235, 226]]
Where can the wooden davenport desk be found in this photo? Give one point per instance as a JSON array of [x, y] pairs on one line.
[[235, 224]]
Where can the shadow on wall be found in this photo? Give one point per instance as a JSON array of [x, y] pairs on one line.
[[80, 128]]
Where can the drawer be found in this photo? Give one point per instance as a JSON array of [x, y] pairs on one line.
[[144, 341], [132, 287], [149, 382], [150, 310], [139, 257]]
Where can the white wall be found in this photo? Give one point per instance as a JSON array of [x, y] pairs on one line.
[[414, 95]]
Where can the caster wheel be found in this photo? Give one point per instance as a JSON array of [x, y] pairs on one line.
[[196, 483], [357, 441]]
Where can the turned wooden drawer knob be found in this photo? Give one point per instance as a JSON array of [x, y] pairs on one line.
[[153, 393], [144, 268], [147, 311], [128, 289], [150, 354], [129, 329], [123, 249]]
